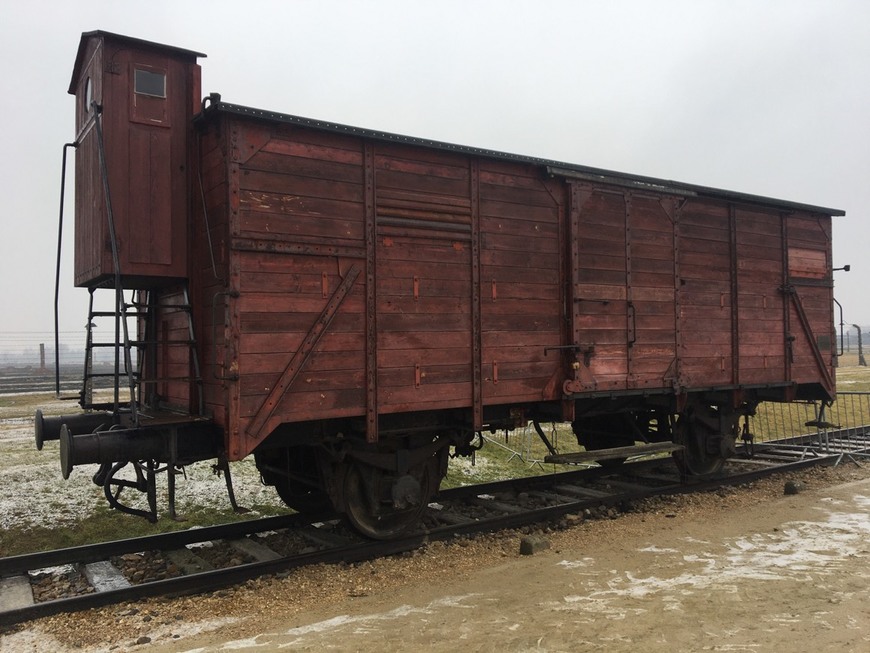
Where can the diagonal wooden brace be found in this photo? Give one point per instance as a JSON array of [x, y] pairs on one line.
[[255, 429], [805, 323]]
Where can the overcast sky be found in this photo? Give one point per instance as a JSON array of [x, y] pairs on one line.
[[771, 98]]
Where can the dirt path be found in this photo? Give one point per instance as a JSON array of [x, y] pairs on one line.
[[745, 570]]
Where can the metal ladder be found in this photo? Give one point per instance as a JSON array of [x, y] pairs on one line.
[[152, 339], [141, 377], [120, 343]]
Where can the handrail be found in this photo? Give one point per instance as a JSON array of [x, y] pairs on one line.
[[74, 144]]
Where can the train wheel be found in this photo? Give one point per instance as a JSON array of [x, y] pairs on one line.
[[303, 498], [285, 469], [382, 506], [701, 431]]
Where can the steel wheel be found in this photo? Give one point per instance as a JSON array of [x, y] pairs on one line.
[[698, 430], [303, 498], [381, 506], [293, 471]]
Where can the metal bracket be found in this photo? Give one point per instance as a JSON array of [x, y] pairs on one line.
[[233, 375], [586, 350]]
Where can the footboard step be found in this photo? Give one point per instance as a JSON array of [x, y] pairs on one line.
[[610, 454]]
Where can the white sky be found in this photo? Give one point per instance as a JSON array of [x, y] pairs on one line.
[[771, 98]]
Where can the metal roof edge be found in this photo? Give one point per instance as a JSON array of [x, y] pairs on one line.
[[553, 168], [141, 43]]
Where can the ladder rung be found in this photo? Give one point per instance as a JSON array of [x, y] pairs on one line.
[[136, 310], [124, 406], [144, 343], [115, 313], [179, 307], [161, 379]]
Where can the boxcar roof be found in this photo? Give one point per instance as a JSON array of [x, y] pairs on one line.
[[120, 38], [554, 168]]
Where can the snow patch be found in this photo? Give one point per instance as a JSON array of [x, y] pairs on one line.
[[803, 551], [33, 492]]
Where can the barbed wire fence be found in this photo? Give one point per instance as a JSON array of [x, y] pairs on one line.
[[36, 349]]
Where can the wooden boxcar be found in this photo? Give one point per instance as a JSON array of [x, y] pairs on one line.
[[349, 305]]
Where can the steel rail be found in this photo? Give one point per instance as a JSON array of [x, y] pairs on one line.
[[630, 473], [208, 581], [163, 541]]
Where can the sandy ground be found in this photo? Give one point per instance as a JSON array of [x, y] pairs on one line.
[[787, 576], [745, 570]]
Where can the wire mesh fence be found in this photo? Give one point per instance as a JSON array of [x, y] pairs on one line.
[[846, 417], [809, 421], [774, 421]]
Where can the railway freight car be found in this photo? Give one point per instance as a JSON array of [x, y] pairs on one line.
[[354, 307]]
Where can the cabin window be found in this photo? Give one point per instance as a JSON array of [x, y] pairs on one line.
[[148, 83]]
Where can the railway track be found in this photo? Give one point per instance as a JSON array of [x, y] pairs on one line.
[[207, 559], [36, 382]]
